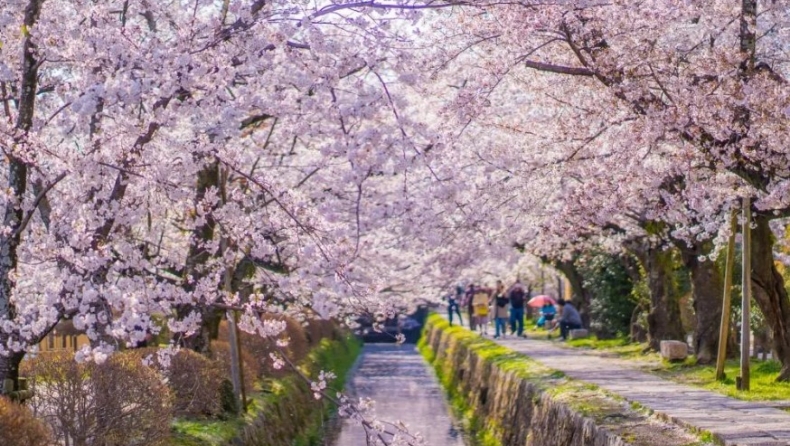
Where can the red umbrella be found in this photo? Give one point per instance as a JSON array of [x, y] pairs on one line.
[[539, 301]]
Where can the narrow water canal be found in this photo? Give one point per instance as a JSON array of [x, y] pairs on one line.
[[405, 389]]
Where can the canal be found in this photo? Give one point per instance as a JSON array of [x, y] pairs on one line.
[[405, 389]]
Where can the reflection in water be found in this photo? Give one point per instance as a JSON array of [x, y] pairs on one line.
[[404, 389]]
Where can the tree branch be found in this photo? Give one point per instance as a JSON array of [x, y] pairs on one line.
[[551, 68]]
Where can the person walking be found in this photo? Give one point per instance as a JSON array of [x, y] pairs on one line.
[[517, 297], [454, 304], [480, 303], [569, 319], [500, 302], [469, 303]]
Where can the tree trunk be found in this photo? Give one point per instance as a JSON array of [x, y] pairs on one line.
[[581, 296], [17, 184], [637, 332], [9, 369], [197, 257], [663, 321], [770, 293], [200, 341], [707, 285]]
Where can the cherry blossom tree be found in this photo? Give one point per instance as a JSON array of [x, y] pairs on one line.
[[183, 159], [663, 74]]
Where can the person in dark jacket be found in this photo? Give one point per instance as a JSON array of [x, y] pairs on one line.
[[500, 303], [454, 304], [470, 310], [517, 297], [569, 320]]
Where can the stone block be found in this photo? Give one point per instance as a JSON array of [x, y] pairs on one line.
[[579, 333], [674, 350]]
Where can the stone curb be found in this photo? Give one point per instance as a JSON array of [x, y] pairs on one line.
[[543, 409]]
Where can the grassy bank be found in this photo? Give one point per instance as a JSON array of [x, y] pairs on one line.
[[293, 416], [763, 373]]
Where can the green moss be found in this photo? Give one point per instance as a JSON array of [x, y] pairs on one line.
[[471, 423], [586, 399], [620, 347], [206, 432]]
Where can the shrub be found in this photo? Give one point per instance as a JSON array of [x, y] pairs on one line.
[[118, 402], [196, 382], [318, 329], [220, 352], [259, 348], [18, 426], [612, 304], [134, 405]]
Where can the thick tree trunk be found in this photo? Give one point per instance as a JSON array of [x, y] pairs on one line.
[[9, 369], [197, 257], [637, 332], [663, 321], [581, 296], [17, 184], [707, 285], [200, 341], [769, 292]]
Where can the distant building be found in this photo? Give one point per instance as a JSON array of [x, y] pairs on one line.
[[63, 338]]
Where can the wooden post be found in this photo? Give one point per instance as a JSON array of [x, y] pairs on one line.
[[724, 329], [241, 365], [746, 278], [234, 360], [237, 375], [236, 368]]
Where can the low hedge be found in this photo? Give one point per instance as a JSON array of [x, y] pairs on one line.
[[283, 412]]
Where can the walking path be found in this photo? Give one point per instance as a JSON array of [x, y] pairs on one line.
[[405, 389], [732, 421]]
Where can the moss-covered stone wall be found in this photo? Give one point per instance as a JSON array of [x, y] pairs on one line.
[[507, 399]]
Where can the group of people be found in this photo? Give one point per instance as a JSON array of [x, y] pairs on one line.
[[507, 308], [481, 303]]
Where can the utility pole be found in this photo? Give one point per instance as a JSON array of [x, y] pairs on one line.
[[724, 329], [746, 278]]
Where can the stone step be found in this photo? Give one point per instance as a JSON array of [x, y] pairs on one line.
[[674, 350]]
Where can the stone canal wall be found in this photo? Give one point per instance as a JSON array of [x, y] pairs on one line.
[[507, 399]]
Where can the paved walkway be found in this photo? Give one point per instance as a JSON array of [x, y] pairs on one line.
[[404, 389], [732, 421]]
